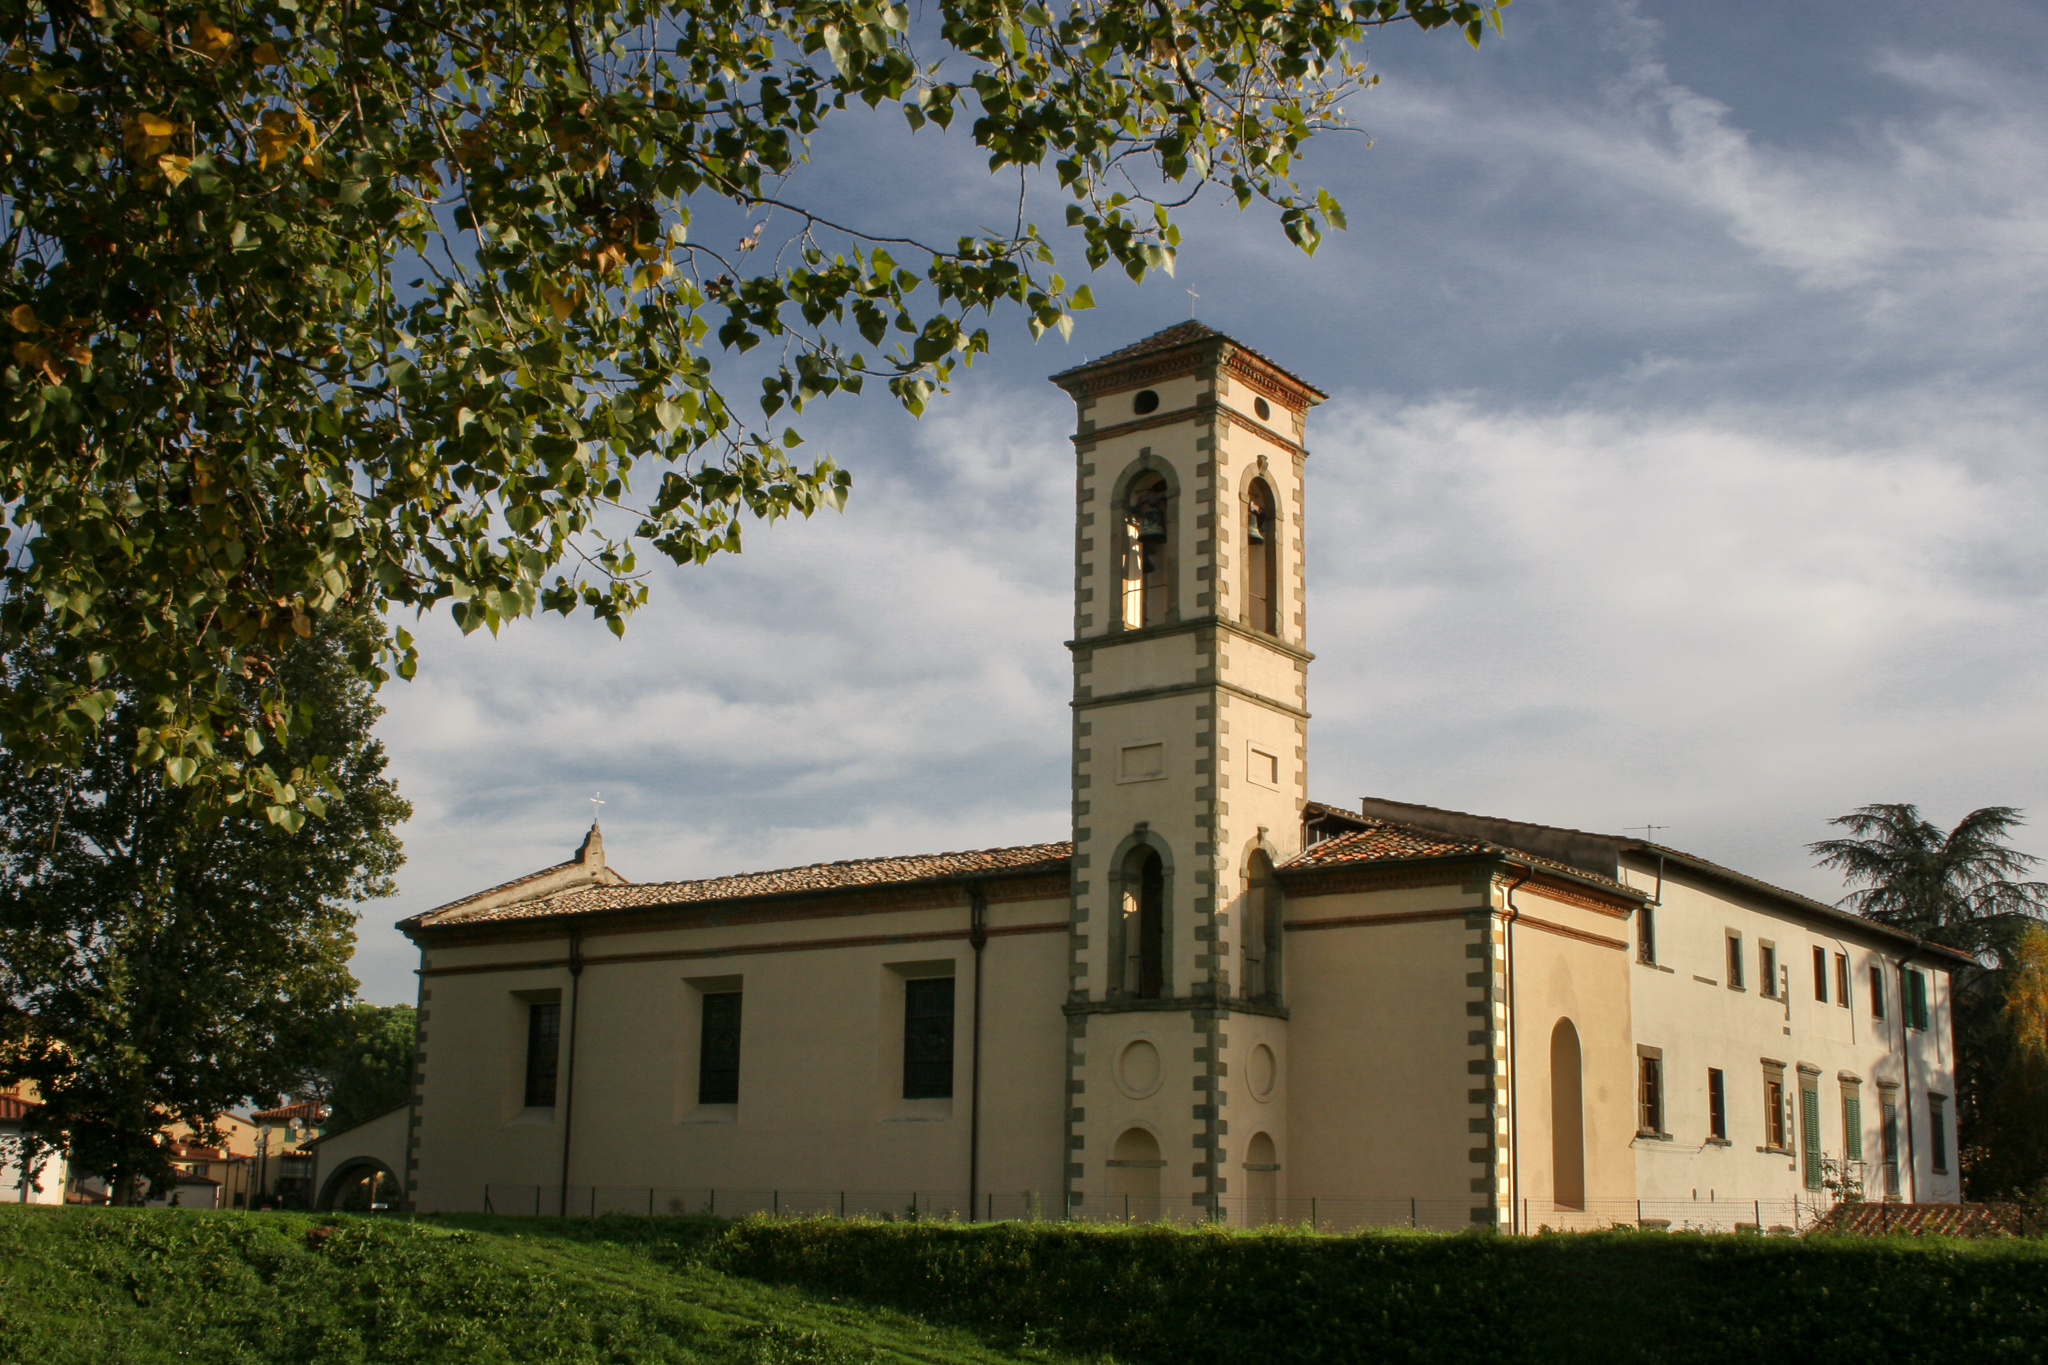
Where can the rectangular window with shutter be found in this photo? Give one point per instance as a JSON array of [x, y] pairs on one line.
[[1767, 970], [1774, 1107], [1937, 1132], [1888, 1137], [928, 1038], [1646, 935], [1820, 975], [1842, 980], [1852, 1121], [718, 1050], [1916, 1000], [1734, 961], [1650, 1093], [1717, 1106], [543, 1052], [1809, 1125], [1876, 990]]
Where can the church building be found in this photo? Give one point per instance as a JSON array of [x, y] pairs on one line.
[[1218, 998]]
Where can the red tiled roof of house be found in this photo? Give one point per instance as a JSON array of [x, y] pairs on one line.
[[311, 1111], [1385, 841], [854, 873], [1180, 334]]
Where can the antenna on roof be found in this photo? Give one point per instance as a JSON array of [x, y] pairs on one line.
[[1649, 831]]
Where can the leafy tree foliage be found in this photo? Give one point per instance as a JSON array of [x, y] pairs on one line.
[[164, 958], [1961, 888], [2012, 1160], [371, 1071], [318, 306]]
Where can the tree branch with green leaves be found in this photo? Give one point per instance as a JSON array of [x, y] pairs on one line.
[[317, 306]]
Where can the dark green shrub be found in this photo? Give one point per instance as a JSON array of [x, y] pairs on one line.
[[1168, 1297]]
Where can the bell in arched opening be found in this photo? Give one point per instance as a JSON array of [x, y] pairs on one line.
[[1262, 560], [1146, 552]]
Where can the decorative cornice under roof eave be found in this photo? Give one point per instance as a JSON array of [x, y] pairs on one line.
[[1184, 348], [1802, 906]]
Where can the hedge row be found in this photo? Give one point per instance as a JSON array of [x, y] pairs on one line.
[[1169, 1297]]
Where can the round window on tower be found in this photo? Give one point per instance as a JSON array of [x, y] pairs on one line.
[[1262, 408], [1145, 401]]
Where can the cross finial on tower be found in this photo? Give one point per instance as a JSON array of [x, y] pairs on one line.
[[1192, 296], [595, 802]]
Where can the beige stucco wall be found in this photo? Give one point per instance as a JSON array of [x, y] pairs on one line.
[[1376, 1075], [1556, 978], [818, 1041]]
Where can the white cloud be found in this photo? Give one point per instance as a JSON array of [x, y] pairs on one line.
[[1685, 466]]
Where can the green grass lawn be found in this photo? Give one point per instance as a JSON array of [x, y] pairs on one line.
[[114, 1286]]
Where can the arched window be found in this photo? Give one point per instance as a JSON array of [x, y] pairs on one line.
[[1261, 1181], [1567, 1119], [1134, 1167], [1259, 936], [1261, 560], [1144, 924], [1145, 552]]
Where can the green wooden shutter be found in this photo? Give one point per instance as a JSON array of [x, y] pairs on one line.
[[1809, 1105], [1852, 1126], [1916, 1000]]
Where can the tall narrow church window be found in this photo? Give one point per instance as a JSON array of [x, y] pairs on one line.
[[718, 1050], [1567, 1119], [1262, 560], [928, 1038], [1145, 552], [1145, 925], [1259, 937], [543, 1053]]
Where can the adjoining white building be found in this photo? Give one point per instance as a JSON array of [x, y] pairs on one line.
[[1217, 998], [29, 1173]]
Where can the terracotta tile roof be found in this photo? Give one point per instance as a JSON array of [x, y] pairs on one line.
[[512, 885], [858, 872], [1385, 841], [312, 1111], [1180, 334]]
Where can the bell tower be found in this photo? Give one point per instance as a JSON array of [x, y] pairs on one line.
[[1189, 769]]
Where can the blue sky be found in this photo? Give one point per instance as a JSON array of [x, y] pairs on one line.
[[1683, 465]]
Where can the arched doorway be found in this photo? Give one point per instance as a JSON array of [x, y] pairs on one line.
[[364, 1185], [1261, 1181], [1567, 1119], [1134, 1167]]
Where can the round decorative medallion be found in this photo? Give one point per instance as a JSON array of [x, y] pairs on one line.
[[1261, 1072], [1137, 1069]]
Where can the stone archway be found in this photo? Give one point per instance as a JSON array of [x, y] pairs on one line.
[[360, 1185]]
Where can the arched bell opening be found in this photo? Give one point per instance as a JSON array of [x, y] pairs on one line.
[[1261, 559], [1147, 552]]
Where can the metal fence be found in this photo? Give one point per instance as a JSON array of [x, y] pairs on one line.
[[1348, 1214]]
